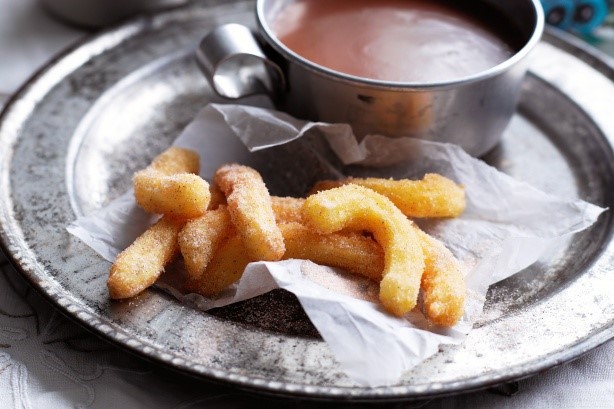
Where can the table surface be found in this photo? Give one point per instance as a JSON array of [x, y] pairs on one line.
[[48, 361]]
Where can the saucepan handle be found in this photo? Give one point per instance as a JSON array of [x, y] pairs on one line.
[[235, 65]]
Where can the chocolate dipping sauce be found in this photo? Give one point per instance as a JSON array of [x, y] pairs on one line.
[[392, 40]]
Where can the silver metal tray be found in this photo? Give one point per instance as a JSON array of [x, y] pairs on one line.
[[73, 135]]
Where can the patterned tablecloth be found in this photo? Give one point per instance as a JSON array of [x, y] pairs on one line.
[[46, 361]]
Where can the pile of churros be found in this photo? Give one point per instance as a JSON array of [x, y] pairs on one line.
[[362, 226]]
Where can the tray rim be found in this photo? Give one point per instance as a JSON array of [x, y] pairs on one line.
[[94, 324]]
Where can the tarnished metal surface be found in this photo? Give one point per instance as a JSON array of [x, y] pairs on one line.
[[72, 137]]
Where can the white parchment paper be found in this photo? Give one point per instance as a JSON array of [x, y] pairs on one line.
[[506, 227]]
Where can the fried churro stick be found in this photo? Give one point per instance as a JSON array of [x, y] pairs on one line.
[[359, 208], [182, 196], [140, 265], [352, 252], [200, 238], [169, 186], [433, 196], [287, 209], [249, 204], [443, 283], [217, 197], [176, 160], [225, 268]]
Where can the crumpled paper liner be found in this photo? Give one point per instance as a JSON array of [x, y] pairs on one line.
[[506, 227]]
